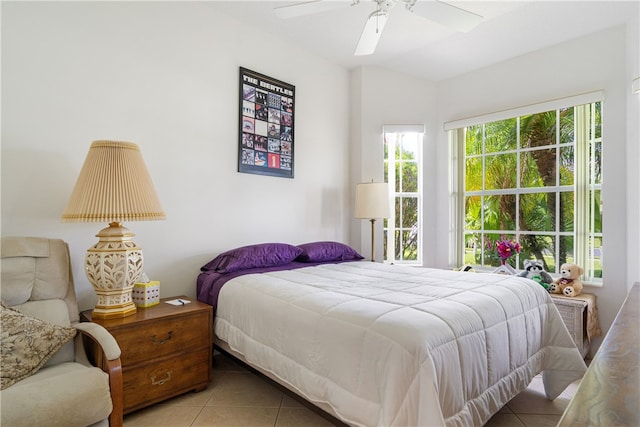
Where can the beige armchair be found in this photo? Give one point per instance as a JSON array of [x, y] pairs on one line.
[[47, 379]]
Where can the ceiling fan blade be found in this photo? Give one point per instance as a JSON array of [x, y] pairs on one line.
[[371, 34], [447, 14], [307, 8]]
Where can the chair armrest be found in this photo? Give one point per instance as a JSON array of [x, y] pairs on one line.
[[104, 352], [102, 337]]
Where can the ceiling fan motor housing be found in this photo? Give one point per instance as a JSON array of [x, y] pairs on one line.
[[386, 5]]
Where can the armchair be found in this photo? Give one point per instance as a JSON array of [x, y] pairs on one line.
[[47, 378]]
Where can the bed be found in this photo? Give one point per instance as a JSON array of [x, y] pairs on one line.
[[383, 345]]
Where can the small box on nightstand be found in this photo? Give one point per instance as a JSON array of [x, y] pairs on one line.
[[146, 294]]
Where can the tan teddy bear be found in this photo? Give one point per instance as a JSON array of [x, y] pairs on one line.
[[569, 284]]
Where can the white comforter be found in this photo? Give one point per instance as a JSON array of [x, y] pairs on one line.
[[399, 346]]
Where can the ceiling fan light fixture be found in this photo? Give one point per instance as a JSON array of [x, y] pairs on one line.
[[371, 33]]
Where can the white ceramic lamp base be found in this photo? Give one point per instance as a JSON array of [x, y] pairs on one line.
[[113, 266]]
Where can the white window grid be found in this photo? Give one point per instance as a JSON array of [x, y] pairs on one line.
[[584, 189], [399, 132]]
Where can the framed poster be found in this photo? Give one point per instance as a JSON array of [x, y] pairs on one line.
[[266, 125]]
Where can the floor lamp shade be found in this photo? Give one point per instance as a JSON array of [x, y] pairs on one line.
[[113, 186], [372, 201]]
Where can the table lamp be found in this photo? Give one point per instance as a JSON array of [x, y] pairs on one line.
[[372, 201], [113, 186]]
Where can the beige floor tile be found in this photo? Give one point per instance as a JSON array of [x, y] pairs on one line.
[[534, 401], [505, 410], [289, 401], [504, 420], [245, 389], [227, 416], [191, 398], [160, 415], [571, 389], [300, 417], [534, 420]]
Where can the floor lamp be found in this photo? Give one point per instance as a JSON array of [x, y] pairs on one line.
[[372, 201], [113, 186]]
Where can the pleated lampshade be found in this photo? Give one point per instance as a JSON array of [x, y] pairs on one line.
[[113, 185]]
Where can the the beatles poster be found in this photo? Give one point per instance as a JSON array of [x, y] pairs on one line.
[[266, 125]]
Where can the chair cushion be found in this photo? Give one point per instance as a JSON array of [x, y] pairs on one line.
[[26, 344], [34, 269], [68, 394]]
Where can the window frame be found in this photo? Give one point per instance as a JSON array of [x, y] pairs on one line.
[[583, 188], [389, 225]]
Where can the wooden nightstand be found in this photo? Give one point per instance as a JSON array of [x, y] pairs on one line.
[[166, 350]]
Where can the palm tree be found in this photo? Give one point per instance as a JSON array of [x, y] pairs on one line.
[[537, 167]]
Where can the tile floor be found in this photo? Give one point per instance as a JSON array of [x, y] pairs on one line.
[[238, 397]]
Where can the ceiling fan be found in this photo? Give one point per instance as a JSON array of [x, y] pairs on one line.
[[434, 10]]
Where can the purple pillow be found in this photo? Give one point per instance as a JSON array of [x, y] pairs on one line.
[[327, 251], [253, 256]]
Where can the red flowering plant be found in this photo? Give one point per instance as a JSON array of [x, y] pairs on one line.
[[503, 248]]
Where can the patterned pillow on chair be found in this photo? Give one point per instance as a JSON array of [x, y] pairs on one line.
[[26, 343]]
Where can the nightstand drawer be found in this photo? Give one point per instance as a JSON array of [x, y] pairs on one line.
[[163, 337], [166, 350], [165, 378]]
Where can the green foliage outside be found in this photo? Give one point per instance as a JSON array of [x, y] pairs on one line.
[[406, 233], [539, 150], [543, 160]]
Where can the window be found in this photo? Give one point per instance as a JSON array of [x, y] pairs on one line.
[[535, 178], [403, 173]]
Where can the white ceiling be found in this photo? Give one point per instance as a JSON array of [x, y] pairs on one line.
[[417, 46]]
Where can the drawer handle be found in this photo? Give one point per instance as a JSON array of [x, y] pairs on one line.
[[161, 381], [160, 342]]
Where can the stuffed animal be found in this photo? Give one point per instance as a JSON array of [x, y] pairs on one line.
[[569, 283], [534, 270]]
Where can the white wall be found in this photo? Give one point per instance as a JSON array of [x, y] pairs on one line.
[[381, 97], [165, 76], [633, 153], [595, 62]]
